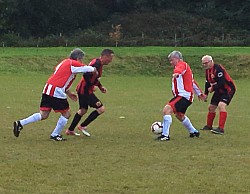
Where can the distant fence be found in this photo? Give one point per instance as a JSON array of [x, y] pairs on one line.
[[103, 39]]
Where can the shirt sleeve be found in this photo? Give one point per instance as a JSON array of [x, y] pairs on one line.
[[207, 85], [77, 67], [196, 88], [82, 69], [98, 67], [180, 68]]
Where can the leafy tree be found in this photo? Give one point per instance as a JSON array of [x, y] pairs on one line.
[[158, 18], [116, 34]]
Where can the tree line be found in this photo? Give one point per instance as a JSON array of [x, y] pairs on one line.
[[30, 20]]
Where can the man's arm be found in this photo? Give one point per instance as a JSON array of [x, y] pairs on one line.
[[196, 88], [82, 69], [71, 95], [198, 91], [207, 85]]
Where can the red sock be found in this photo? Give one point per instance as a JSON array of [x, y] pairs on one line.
[[210, 118], [222, 119]]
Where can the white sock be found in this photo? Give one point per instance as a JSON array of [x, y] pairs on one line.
[[33, 118], [187, 123], [167, 120], [62, 121]]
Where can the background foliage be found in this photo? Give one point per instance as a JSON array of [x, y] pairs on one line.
[[143, 22]]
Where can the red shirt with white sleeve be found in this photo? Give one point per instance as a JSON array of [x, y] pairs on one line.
[[184, 85], [63, 77]]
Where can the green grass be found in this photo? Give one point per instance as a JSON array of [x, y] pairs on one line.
[[130, 61], [124, 51], [122, 155]]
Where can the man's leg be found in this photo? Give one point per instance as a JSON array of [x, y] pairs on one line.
[[77, 118], [18, 125], [167, 121], [56, 134]]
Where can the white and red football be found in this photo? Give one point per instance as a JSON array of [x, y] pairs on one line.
[[156, 127]]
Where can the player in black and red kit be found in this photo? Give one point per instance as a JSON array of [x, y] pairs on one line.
[[87, 98], [219, 82]]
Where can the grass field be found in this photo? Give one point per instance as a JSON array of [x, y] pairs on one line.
[[131, 61], [122, 155]]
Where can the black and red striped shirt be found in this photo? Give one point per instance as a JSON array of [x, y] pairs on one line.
[[218, 78], [89, 80]]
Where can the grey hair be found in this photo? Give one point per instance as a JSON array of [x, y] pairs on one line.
[[175, 54], [76, 54], [207, 58]]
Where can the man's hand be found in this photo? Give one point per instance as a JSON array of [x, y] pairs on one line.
[[103, 89], [203, 97], [210, 89], [72, 96], [95, 88], [175, 75]]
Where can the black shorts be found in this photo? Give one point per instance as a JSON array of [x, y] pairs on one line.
[[179, 104], [89, 100], [224, 97], [57, 104]]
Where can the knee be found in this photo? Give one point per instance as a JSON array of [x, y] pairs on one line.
[[222, 107], [82, 111], [44, 115], [66, 114], [101, 110], [167, 110], [180, 116], [212, 108]]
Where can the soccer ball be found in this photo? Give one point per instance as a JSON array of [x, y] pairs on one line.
[[156, 127]]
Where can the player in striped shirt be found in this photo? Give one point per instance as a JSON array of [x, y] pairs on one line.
[[55, 92], [85, 90], [218, 82], [183, 87]]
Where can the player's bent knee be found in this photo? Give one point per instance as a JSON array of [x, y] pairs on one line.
[[44, 115], [167, 110], [222, 107], [101, 110], [180, 116], [81, 112], [212, 108], [66, 114]]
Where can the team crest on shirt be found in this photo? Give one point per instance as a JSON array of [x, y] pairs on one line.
[[220, 74], [98, 103], [212, 76]]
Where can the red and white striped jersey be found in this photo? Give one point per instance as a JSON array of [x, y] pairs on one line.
[[63, 77], [184, 85]]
